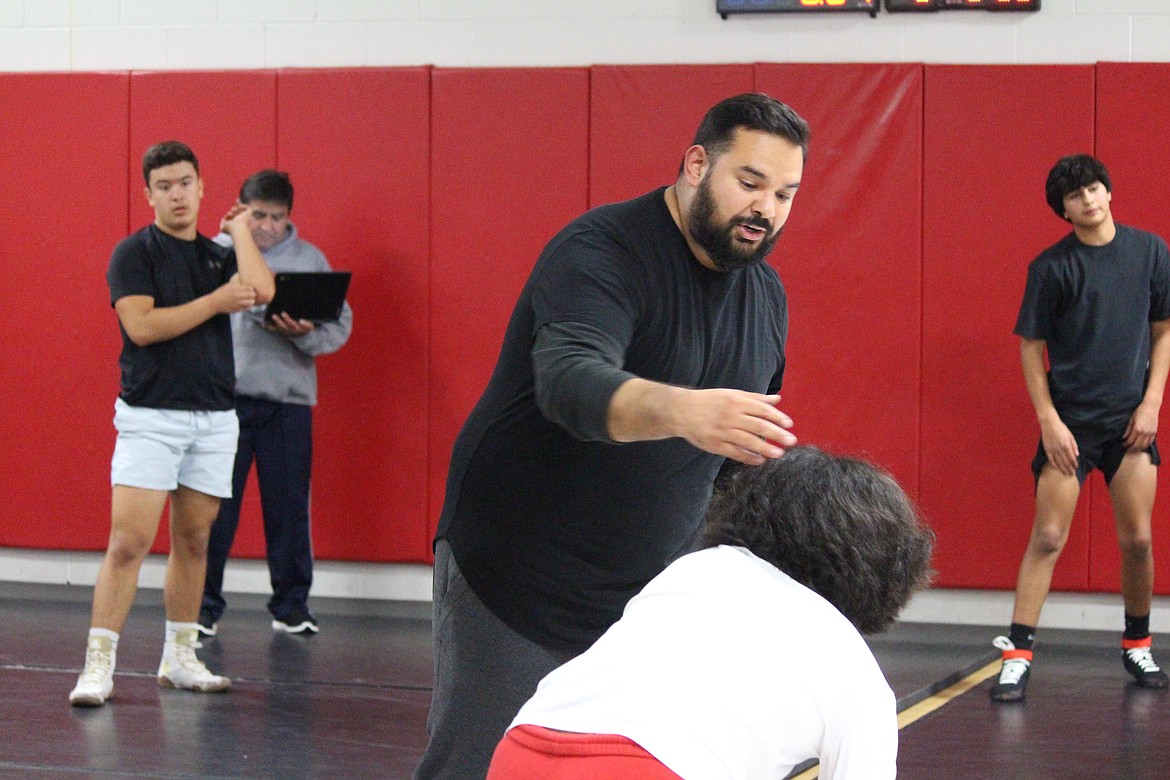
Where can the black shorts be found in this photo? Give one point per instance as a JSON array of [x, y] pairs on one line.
[[1100, 448]]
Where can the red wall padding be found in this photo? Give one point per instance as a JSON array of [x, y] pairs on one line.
[[1133, 123], [227, 117], [851, 260], [905, 258], [62, 209], [357, 145], [642, 119], [510, 167], [991, 135]]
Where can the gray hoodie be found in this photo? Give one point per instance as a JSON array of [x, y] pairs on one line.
[[275, 367]]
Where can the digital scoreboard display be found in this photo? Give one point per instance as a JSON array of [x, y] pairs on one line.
[[725, 7], [899, 6]]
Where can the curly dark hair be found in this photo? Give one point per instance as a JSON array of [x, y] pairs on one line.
[[840, 526], [1069, 175]]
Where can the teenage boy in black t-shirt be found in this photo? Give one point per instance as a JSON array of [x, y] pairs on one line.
[[1098, 302], [172, 289]]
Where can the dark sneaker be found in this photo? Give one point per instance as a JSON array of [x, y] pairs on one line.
[[1139, 662], [207, 623], [1013, 675], [298, 622]]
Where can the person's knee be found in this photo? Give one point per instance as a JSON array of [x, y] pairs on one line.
[[1048, 539], [128, 546], [190, 535], [190, 542], [1136, 546]]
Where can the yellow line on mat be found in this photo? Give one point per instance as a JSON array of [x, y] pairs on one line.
[[929, 705]]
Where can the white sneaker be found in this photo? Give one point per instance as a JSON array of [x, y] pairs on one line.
[[96, 682], [180, 668]]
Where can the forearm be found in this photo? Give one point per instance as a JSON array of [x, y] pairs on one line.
[[1060, 445], [581, 385], [252, 269], [1159, 362], [736, 424], [641, 410], [1036, 379], [154, 325]]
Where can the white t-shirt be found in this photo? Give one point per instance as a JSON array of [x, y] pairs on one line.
[[725, 667]]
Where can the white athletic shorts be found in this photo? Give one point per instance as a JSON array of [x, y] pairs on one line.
[[160, 449]]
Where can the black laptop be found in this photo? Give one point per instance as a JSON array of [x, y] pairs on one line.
[[317, 296]]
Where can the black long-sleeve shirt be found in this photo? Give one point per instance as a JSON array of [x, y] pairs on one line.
[[555, 526]]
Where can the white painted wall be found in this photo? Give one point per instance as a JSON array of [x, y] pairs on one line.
[[88, 35], [66, 35], [380, 583]]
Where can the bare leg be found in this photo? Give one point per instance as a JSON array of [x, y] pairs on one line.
[[1132, 491], [135, 513], [192, 514], [1056, 501]]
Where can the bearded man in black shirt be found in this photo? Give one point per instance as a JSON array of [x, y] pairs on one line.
[[646, 348]]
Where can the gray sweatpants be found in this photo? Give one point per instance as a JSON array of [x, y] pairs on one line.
[[484, 672]]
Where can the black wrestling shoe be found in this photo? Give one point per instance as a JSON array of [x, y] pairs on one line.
[[1139, 662], [1013, 675]]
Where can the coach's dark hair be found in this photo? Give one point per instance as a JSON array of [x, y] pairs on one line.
[[840, 526], [751, 111], [167, 153], [1069, 175], [268, 185]]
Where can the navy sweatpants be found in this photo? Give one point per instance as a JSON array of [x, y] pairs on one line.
[[279, 439]]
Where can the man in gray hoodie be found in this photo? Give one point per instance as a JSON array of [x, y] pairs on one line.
[[276, 390]]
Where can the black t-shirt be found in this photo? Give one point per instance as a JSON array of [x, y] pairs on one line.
[[194, 371], [1093, 306], [554, 526]]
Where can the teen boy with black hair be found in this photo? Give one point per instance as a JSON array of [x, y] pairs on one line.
[[1098, 304], [173, 290]]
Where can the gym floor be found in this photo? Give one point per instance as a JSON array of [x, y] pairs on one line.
[[352, 701]]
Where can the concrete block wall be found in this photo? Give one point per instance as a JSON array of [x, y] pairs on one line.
[[63, 35]]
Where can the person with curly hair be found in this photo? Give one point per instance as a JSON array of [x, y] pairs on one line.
[[746, 658]]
